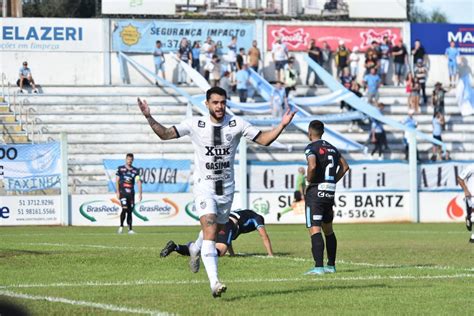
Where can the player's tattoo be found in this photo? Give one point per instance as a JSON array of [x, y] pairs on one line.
[[210, 220], [162, 132]]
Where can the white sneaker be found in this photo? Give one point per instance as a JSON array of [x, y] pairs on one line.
[[195, 258], [131, 232], [218, 289], [120, 230]]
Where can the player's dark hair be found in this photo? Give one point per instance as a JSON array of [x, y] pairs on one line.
[[317, 127], [130, 155], [158, 42], [215, 90]]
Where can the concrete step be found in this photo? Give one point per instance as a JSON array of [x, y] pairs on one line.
[[78, 109], [102, 99], [7, 118], [127, 89], [15, 138]]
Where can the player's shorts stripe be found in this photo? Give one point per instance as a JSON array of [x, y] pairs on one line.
[[308, 219], [217, 138]]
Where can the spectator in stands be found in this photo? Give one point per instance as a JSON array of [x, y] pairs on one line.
[[254, 56], [452, 53], [373, 49], [377, 134], [291, 76], [184, 55], [26, 78], [215, 70], [219, 50], [342, 57], [315, 54], [413, 90], [438, 98], [421, 74], [241, 58], [385, 53], [326, 57], [232, 56], [438, 125], [196, 53], [226, 84], [278, 100], [354, 62], [242, 78], [418, 52], [411, 123], [280, 58], [209, 48], [159, 58], [399, 53], [371, 85], [371, 62], [346, 78], [355, 88]]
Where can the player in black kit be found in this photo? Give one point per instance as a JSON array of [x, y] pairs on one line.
[[127, 175], [326, 167], [240, 222]]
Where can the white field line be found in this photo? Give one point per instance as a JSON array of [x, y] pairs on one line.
[[365, 264], [107, 307], [272, 280]]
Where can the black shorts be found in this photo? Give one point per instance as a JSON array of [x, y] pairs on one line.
[[438, 137], [318, 209], [227, 234], [26, 82], [127, 201]]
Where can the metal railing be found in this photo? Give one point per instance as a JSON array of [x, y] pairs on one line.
[[4, 82]]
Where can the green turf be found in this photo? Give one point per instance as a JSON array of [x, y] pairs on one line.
[[400, 269]]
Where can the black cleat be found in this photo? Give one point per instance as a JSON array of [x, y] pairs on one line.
[[169, 248], [278, 216], [471, 240], [468, 223]]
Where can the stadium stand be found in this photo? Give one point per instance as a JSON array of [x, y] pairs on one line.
[[105, 122]]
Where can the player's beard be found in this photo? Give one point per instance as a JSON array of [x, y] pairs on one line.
[[217, 116]]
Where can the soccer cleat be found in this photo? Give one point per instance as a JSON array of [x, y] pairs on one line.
[[195, 259], [329, 269], [316, 271], [120, 230], [278, 216], [131, 232], [169, 248], [218, 289], [471, 240], [468, 223]]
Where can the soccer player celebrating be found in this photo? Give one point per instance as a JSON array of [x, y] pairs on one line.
[[127, 175], [466, 181], [240, 222], [215, 139], [326, 167]]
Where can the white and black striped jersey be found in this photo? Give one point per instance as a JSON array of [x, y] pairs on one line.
[[215, 146]]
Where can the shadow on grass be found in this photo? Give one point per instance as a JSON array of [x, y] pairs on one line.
[[254, 254], [318, 287], [8, 253]]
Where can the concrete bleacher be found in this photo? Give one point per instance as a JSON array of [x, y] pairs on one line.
[[104, 122]]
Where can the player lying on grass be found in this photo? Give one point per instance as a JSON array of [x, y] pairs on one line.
[[240, 222]]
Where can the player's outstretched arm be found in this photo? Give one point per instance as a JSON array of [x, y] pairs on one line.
[[464, 187], [268, 137], [266, 240], [343, 168], [162, 132]]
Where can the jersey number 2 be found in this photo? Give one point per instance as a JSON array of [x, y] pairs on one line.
[[327, 175]]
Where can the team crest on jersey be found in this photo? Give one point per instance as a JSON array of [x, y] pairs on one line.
[[232, 123], [322, 151], [203, 204], [228, 137], [201, 124]]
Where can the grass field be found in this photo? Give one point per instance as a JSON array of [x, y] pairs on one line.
[[382, 269]]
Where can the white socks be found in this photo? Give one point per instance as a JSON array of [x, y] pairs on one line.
[[209, 258], [197, 245]]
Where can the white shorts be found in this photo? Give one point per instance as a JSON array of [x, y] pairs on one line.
[[214, 204]]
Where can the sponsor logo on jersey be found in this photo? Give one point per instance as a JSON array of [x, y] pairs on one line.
[[201, 124], [326, 195], [217, 165], [322, 151], [232, 123], [228, 137], [202, 204], [217, 151]]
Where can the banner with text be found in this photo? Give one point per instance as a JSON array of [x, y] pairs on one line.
[[52, 35], [363, 207], [363, 176], [297, 37], [442, 207], [30, 210], [30, 167], [436, 37], [157, 175], [153, 210], [140, 36]]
